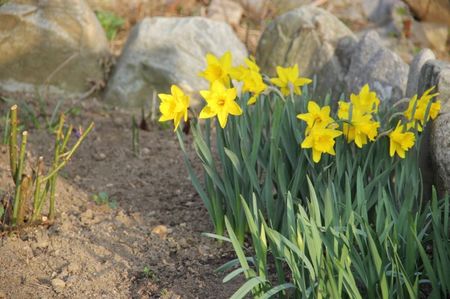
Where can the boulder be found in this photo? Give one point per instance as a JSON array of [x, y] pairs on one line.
[[437, 73], [437, 11], [375, 64], [225, 11], [54, 43], [378, 11], [312, 38], [414, 70], [163, 51], [432, 35]]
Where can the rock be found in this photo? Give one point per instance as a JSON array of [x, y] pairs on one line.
[[378, 11], [312, 38], [382, 69], [283, 6], [87, 217], [348, 10], [255, 7], [430, 35], [164, 51], [103, 5], [437, 73], [226, 11], [414, 70], [57, 43], [99, 156], [161, 231], [58, 285], [437, 11]]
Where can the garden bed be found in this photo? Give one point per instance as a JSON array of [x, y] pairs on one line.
[[148, 244]]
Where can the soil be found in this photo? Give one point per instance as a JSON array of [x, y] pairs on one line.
[[149, 245]]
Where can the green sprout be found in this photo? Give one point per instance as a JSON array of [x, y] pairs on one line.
[[102, 198], [110, 22]]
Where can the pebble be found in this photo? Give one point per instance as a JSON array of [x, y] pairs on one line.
[[100, 156], [87, 216], [160, 230], [58, 285]]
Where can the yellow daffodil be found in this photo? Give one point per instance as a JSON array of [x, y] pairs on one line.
[[221, 102], [321, 140], [361, 132], [218, 69], [317, 116], [419, 107], [366, 101], [343, 111], [251, 78], [174, 106], [254, 83], [400, 141], [360, 128], [288, 79]]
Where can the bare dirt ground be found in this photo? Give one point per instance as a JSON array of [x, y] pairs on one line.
[[149, 246]]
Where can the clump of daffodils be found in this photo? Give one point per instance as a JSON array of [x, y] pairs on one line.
[[357, 120]]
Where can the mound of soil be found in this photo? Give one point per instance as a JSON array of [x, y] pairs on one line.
[[146, 244]]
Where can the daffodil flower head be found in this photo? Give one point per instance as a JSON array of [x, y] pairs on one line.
[[288, 80], [218, 69], [251, 64], [321, 140], [400, 141], [254, 83], [251, 78], [360, 128], [366, 101], [317, 116], [174, 106], [416, 113], [220, 102]]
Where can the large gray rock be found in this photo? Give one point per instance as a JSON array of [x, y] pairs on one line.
[[382, 69], [437, 73], [164, 51], [314, 39], [54, 43], [414, 70], [378, 11]]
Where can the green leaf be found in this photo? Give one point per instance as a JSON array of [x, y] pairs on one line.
[[238, 250], [234, 159], [247, 287], [215, 236], [276, 290], [233, 275]]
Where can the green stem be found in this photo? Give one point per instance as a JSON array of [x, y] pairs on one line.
[[37, 191], [42, 196], [13, 143], [56, 157], [67, 156], [19, 177], [24, 196]]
